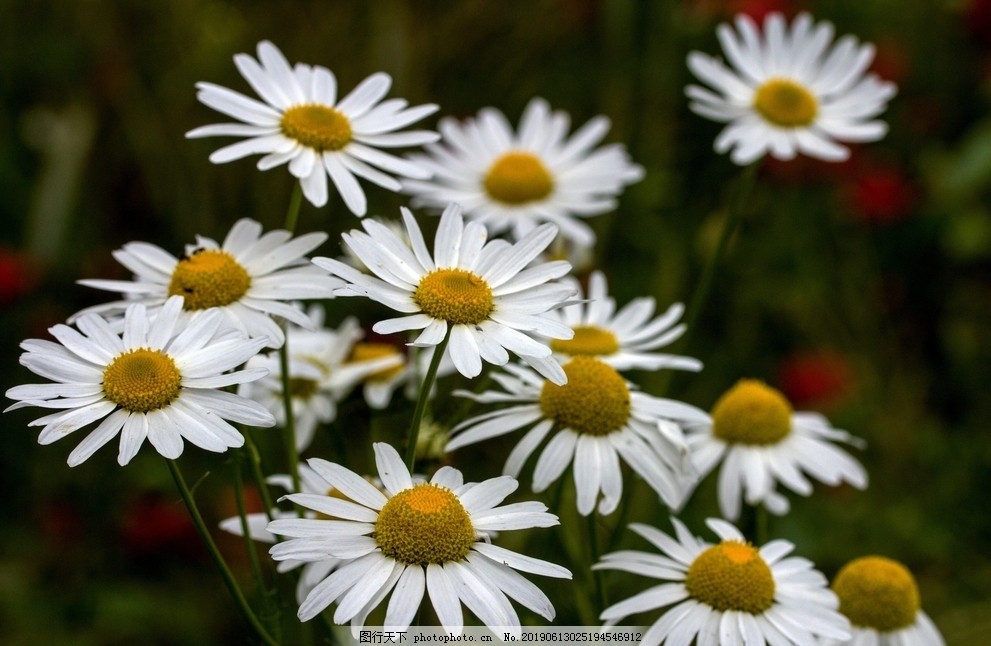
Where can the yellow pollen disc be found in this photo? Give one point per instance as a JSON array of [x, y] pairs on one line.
[[302, 388], [588, 340], [209, 278], [454, 295], [370, 351], [141, 380], [731, 576], [517, 178], [751, 412], [595, 401], [877, 592], [786, 103], [423, 525], [317, 126]]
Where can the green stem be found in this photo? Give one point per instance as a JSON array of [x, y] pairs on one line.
[[292, 452], [271, 614], [594, 555], [746, 183], [218, 559], [292, 214], [256, 472], [760, 532], [748, 178], [256, 570], [292, 217], [421, 401]]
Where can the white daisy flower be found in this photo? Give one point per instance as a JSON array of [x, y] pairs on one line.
[[250, 277], [514, 181], [761, 442], [320, 374], [727, 593], [596, 419], [790, 90], [162, 380], [299, 121], [625, 339], [417, 537], [881, 599], [483, 291]]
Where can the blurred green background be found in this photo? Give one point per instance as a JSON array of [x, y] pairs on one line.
[[862, 290]]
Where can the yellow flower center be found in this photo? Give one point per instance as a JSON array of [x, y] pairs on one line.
[[751, 413], [302, 388], [141, 380], [317, 126], [731, 576], [877, 592], [517, 178], [209, 278], [595, 401], [423, 525], [370, 351], [454, 295], [786, 103], [588, 340]]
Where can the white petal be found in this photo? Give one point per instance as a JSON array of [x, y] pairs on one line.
[[391, 469]]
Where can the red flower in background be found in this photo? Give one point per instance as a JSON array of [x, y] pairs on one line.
[[977, 17], [815, 379], [880, 192], [19, 274], [756, 9], [153, 524]]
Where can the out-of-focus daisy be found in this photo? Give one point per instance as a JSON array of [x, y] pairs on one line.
[[410, 366], [320, 374], [161, 380], [484, 291], [596, 419], [881, 599], [299, 121], [761, 442], [727, 593], [625, 339], [513, 181], [378, 386], [250, 277], [416, 538], [790, 90]]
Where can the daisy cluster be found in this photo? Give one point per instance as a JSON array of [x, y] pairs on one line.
[[202, 344]]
